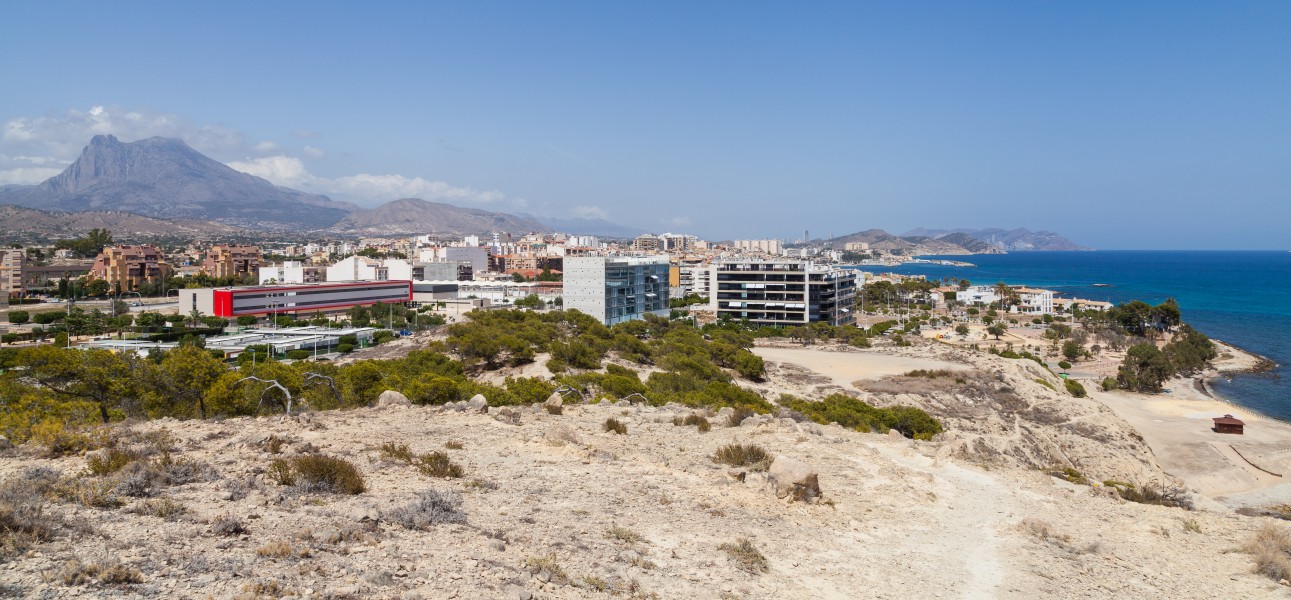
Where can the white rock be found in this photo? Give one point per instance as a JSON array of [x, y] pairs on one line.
[[791, 476], [477, 403], [392, 398]]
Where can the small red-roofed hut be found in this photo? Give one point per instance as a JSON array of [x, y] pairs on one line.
[[1228, 424]]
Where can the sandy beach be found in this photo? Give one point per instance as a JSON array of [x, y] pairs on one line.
[[1252, 469]]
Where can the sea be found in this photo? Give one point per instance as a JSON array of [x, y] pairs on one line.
[[1240, 297]]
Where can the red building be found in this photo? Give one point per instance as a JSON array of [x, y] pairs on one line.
[[293, 299]]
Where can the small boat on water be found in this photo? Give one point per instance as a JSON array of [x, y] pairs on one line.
[[1102, 285]]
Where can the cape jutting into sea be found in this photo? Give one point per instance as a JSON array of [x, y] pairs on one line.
[[1240, 297]]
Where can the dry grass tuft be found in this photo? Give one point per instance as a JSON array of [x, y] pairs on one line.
[[739, 415], [745, 555], [282, 549], [75, 572], [550, 567], [396, 452], [616, 426], [753, 456], [453, 445], [164, 508], [1271, 550], [699, 421], [623, 534], [554, 409]]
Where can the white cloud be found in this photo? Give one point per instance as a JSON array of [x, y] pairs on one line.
[[64, 135], [366, 188], [590, 212], [33, 149], [281, 170]]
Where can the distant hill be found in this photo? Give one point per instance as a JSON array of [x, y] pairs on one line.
[[22, 224], [879, 239], [1014, 240], [599, 227], [162, 177], [414, 215]]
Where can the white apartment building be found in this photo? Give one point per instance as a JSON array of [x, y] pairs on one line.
[[615, 289], [763, 246], [357, 268], [291, 271], [1031, 300]]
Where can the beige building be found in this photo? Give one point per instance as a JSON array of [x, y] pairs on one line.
[[229, 260], [12, 263], [125, 268]]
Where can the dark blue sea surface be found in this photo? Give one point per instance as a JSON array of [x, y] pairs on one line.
[[1240, 297]]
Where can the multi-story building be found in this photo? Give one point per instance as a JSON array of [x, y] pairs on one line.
[[125, 268], [646, 243], [615, 289], [782, 292], [358, 268], [232, 260], [291, 271], [12, 263], [763, 246]]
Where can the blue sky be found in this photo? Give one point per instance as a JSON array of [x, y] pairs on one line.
[[1120, 125]]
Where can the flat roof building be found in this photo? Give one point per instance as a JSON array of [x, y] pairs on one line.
[[782, 293], [292, 299], [615, 289]]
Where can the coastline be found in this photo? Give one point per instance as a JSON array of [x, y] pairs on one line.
[[1248, 470]]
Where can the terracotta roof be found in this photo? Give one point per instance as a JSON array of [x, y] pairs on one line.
[[1227, 420]]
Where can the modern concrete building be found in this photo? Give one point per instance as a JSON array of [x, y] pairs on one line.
[[476, 256], [125, 268], [783, 292], [615, 289], [232, 260]]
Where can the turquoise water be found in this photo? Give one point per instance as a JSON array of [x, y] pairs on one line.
[[1240, 297]]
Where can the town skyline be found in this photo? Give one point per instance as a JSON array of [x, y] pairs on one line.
[[1117, 126]]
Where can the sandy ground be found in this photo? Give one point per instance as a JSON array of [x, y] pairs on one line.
[[842, 368], [902, 519], [1239, 470]]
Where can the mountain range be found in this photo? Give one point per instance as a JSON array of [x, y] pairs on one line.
[[165, 179], [1009, 240], [161, 186]]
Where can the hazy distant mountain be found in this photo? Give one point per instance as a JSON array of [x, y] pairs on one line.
[[414, 216], [161, 177], [22, 224], [1016, 240], [913, 245], [599, 227]]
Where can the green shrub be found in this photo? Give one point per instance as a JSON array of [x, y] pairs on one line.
[[437, 464], [744, 455], [109, 460], [1109, 384], [298, 354], [1075, 388], [319, 473], [343, 348], [1045, 383], [1064, 365], [850, 412]]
